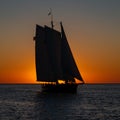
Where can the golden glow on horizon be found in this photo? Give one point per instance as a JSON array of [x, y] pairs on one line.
[[42, 82], [18, 77], [89, 72], [59, 82]]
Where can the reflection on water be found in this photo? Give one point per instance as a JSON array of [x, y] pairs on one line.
[[91, 102], [55, 106]]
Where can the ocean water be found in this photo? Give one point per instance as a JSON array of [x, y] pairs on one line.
[[91, 102]]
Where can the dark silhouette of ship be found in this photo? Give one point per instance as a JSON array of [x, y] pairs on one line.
[[55, 65]]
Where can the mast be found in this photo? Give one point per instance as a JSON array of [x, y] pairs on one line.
[[51, 15]]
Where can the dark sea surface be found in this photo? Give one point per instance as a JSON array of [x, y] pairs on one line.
[[91, 102]]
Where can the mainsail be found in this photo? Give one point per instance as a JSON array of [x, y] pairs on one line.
[[48, 54], [53, 43], [43, 67], [54, 59]]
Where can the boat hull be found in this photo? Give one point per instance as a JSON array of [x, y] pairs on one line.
[[62, 88]]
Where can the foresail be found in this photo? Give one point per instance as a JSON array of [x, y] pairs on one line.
[[43, 66], [70, 69]]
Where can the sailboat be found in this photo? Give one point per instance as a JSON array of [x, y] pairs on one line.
[[56, 69]]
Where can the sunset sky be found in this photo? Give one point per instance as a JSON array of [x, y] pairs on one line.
[[92, 28]]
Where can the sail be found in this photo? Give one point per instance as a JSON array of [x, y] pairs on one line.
[[43, 67], [54, 59], [53, 42], [70, 69], [48, 54]]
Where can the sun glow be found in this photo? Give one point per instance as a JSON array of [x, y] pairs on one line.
[[31, 75], [61, 81]]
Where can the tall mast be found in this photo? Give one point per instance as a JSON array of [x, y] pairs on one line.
[[51, 15]]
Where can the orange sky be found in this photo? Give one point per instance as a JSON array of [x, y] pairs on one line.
[[92, 29]]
